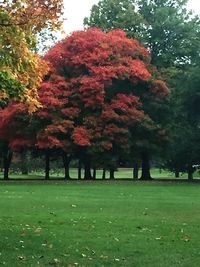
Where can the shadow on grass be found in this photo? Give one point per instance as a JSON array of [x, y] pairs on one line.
[[116, 180]]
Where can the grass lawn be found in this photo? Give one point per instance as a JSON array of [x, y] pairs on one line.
[[100, 224]]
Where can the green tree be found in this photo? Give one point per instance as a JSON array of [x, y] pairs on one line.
[[114, 14], [171, 32], [166, 27], [184, 149]]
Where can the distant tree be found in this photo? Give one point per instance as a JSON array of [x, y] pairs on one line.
[[184, 149]]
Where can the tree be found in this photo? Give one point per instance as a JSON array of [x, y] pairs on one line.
[[171, 34], [96, 85], [21, 70], [91, 97], [184, 148], [116, 14], [166, 28], [15, 132]]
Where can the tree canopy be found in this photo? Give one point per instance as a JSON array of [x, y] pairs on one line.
[[94, 98], [21, 70], [166, 28]]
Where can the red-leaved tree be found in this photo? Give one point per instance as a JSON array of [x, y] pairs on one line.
[[92, 95], [95, 98], [16, 132]]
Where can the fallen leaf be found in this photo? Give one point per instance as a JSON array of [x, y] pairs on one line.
[[40, 257], [146, 229], [23, 233], [158, 238], [103, 257], [38, 230], [54, 261], [49, 245], [65, 255], [21, 257], [186, 238]]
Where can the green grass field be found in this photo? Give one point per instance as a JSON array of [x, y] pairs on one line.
[[100, 224]]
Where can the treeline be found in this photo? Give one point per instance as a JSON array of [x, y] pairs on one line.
[[125, 92], [96, 105]]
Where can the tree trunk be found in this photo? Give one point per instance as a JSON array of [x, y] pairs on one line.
[[135, 171], [145, 167], [24, 162], [94, 173], [87, 166], [79, 169], [112, 174], [190, 173], [6, 163], [47, 164], [66, 162], [177, 174], [104, 174]]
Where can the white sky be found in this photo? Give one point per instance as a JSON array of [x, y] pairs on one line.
[[76, 10]]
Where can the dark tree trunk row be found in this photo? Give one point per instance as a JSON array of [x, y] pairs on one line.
[[66, 161], [88, 175]]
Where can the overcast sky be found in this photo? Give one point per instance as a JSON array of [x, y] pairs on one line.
[[76, 10]]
